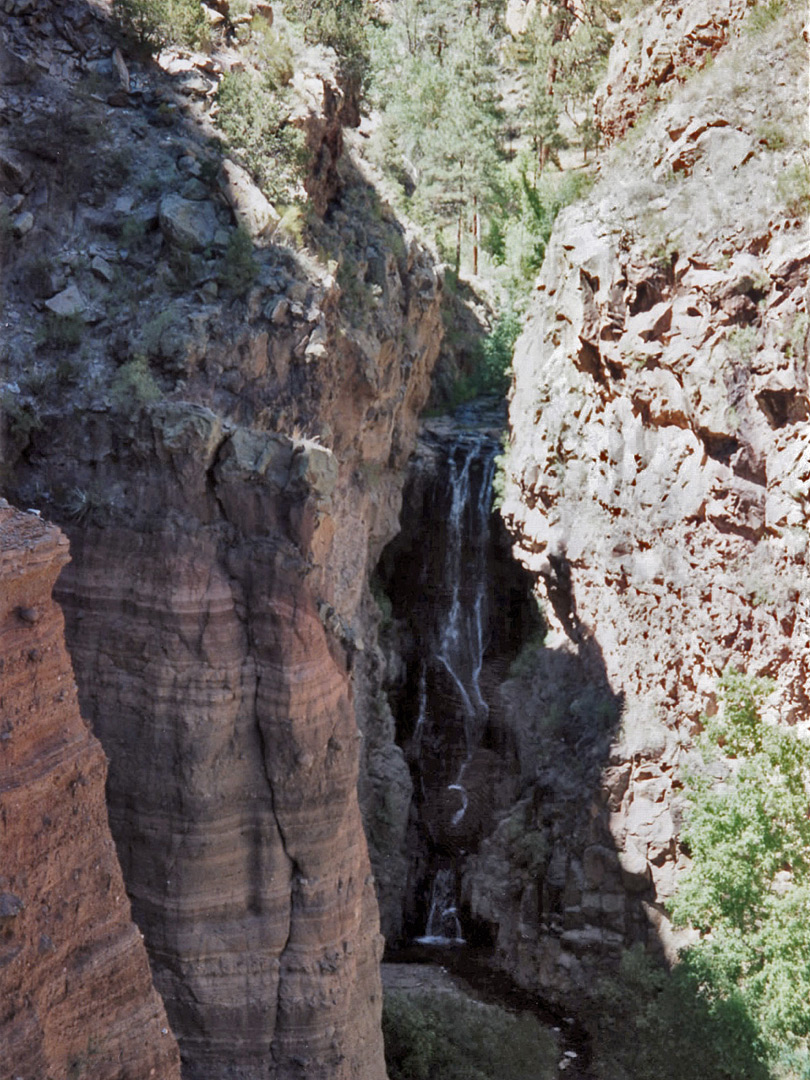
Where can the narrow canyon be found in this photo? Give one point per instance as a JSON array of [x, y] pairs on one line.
[[316, 654]]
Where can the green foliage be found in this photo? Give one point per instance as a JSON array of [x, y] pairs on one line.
[[524, 663], [152, 24], [383, 602], [796, 334], [133, 386], [6, 229], [436, 81], [133, 232], [687, 1024], [21, 417], [793, 188], [440, 1035], [254, 117], [60, 331], [187, 269], [494, 360], [772, 135], [560, 59], [239, 269], [763, 15], [354, 290], [342, 25], [748, 887], [742, 343], [541, 204]]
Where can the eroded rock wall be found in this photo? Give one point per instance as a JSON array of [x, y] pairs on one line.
[[212, 608], [657, 484], [76, 994], [226, 454]]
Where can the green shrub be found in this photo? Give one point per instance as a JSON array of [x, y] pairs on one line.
[[441, 1036], [133, 386], [763, 15], [272, 52], [772, 135], [742, 342], [238, 269], [793, 188], [494, 362], [735, 1005], [60, 331], [342, 25], [541, 202], [132, 233], [649, 1023], [151, 24], [748, 887], [253, 116]]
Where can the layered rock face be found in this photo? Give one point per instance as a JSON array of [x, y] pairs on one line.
[[657, 483], [226, 456], [76, 994], [212, 635], [210, 608]]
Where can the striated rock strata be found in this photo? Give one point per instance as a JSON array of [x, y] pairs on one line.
[[76, 994], [657, 485], [226, 455]]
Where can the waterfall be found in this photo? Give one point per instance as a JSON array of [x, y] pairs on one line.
[[455, 642], [443, 925], [461, 608], [462, 623]]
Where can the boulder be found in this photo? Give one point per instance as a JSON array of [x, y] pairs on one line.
[[189, 225], [67, 303], [251, 209]]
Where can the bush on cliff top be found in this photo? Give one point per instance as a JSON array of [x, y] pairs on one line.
[[150, 25]]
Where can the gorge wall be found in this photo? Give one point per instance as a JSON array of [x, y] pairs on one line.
[[75, 986], [657, 475], [227, 462]]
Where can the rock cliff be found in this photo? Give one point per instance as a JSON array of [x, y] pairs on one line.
[[226, 457], [75, 986], [657, 480]]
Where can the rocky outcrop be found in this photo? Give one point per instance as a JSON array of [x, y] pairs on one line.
[[657, 484], [225, 452], [76, 994], [662, 45]]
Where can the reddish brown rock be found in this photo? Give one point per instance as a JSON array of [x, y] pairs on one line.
[[76, 994], [665, 43], [658, 483]]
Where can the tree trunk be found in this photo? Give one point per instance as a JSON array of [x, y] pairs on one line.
[[476, 234]]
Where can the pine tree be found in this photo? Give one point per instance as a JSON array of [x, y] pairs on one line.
[[440, 94]]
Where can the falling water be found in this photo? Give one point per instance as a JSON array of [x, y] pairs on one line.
[[443, 925], [457, 640], [462, 637]]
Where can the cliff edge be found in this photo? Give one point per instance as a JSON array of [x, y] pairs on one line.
[[75, 986], [657, 475]]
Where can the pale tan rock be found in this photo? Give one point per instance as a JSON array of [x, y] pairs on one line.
[[658, 479], [251, 209]]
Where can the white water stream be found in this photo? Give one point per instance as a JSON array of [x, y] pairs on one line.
[[461, 640], [462, 637]]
